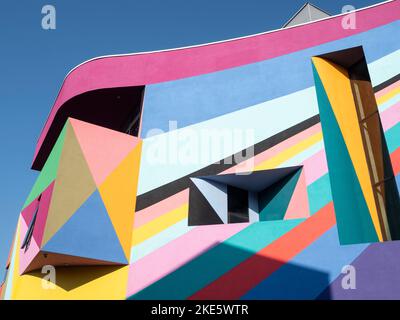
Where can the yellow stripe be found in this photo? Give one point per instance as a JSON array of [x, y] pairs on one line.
[[159, 224], [275, 161], [388, 96]]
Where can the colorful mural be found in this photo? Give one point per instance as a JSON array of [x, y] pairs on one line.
[[136, 198]]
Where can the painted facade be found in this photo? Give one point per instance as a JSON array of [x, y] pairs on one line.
[[136, 198]]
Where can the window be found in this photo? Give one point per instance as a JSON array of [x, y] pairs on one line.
[[29, 232], [257, 196]]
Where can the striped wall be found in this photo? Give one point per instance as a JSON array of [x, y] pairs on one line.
[[266, 93]]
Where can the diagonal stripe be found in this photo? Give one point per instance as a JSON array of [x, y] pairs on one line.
[[391, 94], [157, 225], [158, 209], [288, 153], [310, 272], [245, 276]]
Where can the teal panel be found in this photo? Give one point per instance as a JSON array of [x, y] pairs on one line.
[[209, 266], [274, 201], [393, 137], [352, 215], [319, 193]]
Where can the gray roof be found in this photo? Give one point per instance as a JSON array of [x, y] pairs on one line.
[[307, 13]]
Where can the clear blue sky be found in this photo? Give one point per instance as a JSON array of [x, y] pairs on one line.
[[34, 62]]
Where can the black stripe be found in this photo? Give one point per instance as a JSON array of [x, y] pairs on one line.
[[156, 195], [387, 83]]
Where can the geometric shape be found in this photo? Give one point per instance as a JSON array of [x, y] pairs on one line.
[[49, 171], [88, 233], [273, 201], [74, 184], [216, 195], [103, 148], [298, 205], [42, 213], [200, 210], [118, 193], [353, 220], [30, 251], [255, 181], [336, 82], [307, 13]]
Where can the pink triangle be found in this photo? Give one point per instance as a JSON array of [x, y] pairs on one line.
[[41, 216], [103, 148], [298, 205], [29, 211]]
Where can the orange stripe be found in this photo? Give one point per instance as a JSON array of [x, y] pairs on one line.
[[245, 276], [395, 159]]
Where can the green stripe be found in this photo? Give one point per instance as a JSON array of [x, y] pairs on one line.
[[209, 266]]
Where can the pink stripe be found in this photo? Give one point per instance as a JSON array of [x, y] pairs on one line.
[[387, 89], [177, 253], [158, 209], [390, 116], [315, 167], [141, 69], [248, 165]]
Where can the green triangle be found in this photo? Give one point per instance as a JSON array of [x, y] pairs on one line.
[[49, 170]]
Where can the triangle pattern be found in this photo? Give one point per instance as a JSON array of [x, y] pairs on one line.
[[216, 195], [103, 148], [49, 171], [298, 205], [337, 87], [42, 213], [200, 210], [74, 184], [118, 192], [273, 201], [352, 215], [88, 233]]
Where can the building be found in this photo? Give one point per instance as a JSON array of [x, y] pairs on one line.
[[264, 167]]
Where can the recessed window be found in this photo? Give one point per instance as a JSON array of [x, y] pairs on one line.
[[29, 233], [257, 196]]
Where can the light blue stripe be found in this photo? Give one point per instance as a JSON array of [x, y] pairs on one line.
[[207, 96], [304, 155], [159, 240], [158, 167], [391, 102]]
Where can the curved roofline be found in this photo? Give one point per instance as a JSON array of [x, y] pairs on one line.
[[201, 60], [221, 41]]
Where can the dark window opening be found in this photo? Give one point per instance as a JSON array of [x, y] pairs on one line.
[[118, 109], [29, 233], [238, 205]]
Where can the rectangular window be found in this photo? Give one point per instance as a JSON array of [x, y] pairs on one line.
[[238, 205]]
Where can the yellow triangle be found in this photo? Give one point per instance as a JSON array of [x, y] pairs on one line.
[[338, 88], [74, 184], [118, 192]]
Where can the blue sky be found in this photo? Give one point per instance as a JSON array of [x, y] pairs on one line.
[[34, 61]]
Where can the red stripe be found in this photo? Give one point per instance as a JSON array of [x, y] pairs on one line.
[[395, 158], [245, 276]]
